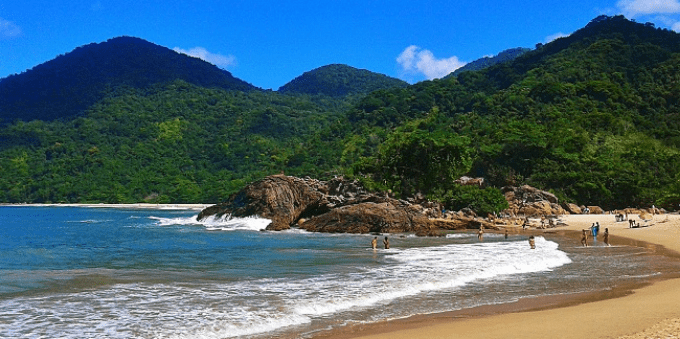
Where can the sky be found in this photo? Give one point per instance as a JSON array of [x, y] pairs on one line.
[[269, 43]]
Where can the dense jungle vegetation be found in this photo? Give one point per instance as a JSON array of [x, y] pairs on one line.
[[593, 117]]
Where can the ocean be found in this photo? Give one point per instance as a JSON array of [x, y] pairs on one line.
[[78, 272]]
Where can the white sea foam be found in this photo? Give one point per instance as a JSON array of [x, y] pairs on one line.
[[217, 224], [426, 269], [474, 235], [460, 235], [249, 307]]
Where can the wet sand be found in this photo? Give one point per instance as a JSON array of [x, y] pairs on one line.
[[629, 312]]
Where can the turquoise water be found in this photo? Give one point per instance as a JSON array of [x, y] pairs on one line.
[[68, 272]]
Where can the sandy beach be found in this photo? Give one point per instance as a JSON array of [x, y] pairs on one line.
[[651, 311]]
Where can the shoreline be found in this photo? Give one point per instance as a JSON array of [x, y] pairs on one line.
[[632, 311], [126, 206]]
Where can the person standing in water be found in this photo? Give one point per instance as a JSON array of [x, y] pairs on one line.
[[606, 236], [506, 233], [584, 239], [387, 243], [480, 234], [374, 243], [532, 242]]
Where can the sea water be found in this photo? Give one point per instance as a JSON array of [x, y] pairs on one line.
[[68, 272]]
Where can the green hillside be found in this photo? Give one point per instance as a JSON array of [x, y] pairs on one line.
[[593, 117], [69, 84], [339, 81], [485, 62], [173, 143]]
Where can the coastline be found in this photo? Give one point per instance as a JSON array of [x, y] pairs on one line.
[[629, 312], [127, 206]]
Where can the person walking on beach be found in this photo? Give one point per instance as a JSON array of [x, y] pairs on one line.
[[606, 236], [584, 239], [387, 243], [374, 243], [532, 242]]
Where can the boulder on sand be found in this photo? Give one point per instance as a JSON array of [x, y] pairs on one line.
[[595, 210], [572, 208]]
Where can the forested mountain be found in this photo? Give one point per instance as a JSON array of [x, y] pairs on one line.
[[172, 143], [340, 80], [70, 83], [593, 117], [482, 63]]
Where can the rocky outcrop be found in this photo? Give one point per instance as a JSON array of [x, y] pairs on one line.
[[280, 198], [390, 216], [467, 181], [462, 222], [528, 194], [531, 202], [572, 208], [337, 206], [595, 210], [642, 211]]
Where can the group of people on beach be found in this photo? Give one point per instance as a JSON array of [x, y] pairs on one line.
[[594, 230]]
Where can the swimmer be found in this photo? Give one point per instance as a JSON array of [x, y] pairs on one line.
[[532, 242], [387, 243]]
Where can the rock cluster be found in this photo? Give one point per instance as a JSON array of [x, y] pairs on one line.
[[572, 208], [337, 205], [343, 206], [531, 202], [280, 198]]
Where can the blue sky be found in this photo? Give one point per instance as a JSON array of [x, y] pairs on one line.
[[268, 43]]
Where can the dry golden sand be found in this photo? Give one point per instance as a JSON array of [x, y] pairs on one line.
[[649, 312]]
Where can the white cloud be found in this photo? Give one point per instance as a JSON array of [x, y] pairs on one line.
[[555, 36], [223, 61], [8, 29], [631, 8], [676, 27], [415, 60]]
